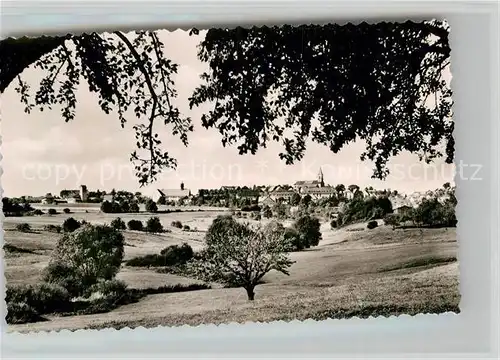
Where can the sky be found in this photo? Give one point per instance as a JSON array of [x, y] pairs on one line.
[[41, 153]]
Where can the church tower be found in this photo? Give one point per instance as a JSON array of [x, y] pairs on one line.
[[320, 178]]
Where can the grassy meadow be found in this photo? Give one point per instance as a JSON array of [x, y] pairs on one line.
[[353, 271]]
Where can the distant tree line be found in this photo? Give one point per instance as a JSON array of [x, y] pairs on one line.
[[15, 207]]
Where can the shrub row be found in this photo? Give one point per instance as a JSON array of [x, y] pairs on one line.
[[27, 304], [170, 256], [119, 207], [153, 225], [23, 227]]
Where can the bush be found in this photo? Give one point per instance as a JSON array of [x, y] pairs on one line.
[[280, 210], [53, 228], [176, 224], [147, 260], [37, 212], [372, 224], [124, 207], [153, 225], [267, 212], [250, 208], [136, 225], [108, 288], [377, 213], [23, 227], [308, 229], [392, 220], [21, 313], [134, 207], [118, 224], [151, 206], [94, 252], [186, 228], [432, 213], [106, 207], [293, 240], [333, 224], [70, 225], [176, 254], [52, 211], [66, 210], [43, 298], [63, 275], [171, 256]]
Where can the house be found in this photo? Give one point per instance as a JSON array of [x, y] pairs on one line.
[[319, 192], [403, 210], [73, 199], [175, 194], [279, 192], [266, 200]]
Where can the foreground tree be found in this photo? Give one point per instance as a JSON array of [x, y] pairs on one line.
[[372, 82], [89, 254], [242, 254], [381, 83]]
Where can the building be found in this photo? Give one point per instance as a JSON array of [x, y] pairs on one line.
[[73, 199], [266, 201], [77, 195], [403, 210], [320, 193], [229, 188], [279, 192], [84, 193], [315, 188], [175, 194]]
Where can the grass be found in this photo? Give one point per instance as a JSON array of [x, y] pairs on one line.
[[381, 297], [130, 296], [27, 304], [427, 261], [341, 278]]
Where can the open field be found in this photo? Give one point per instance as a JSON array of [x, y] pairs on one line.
[[351, 273]]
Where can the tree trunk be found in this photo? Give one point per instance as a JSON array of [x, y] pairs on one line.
[[250, 292]]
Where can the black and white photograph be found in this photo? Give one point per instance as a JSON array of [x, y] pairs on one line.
[[222, 175]]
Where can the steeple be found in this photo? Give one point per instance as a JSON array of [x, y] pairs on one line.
[[320, 178]]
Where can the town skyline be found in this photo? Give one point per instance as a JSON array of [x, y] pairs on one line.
[[181, 184]]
